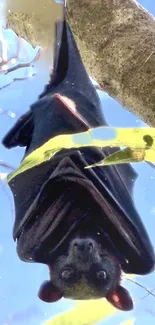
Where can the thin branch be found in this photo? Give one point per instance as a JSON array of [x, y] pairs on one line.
[[142, 286], [2, 164], [24, 65]]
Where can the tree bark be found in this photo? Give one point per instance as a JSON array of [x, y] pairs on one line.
[[116, 39]]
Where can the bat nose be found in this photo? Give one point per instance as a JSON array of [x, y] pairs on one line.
[[84, 245]]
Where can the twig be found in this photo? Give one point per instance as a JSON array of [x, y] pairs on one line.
[[23, 65], [141, 285], [7, 166]]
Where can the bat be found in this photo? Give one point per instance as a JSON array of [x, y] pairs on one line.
[[80, 222]]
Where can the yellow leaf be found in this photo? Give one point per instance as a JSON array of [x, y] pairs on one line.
[[135, 138], [3, 175], [129, 322], [85, 313]]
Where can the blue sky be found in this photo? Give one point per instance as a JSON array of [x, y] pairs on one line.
[[19, 282]]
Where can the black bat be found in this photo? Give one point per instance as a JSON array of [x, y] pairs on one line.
[[81, 222]]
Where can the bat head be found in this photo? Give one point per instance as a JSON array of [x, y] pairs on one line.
[[86, 271]]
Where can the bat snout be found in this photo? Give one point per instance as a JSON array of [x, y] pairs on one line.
[[83, 246]]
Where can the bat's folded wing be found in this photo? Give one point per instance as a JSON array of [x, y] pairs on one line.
[[71, 195]]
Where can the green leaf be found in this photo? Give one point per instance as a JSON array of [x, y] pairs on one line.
[[124, 156]]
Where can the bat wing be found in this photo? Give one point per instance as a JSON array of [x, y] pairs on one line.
[[68, 196], [45, 196], [21, 133], [109, 189]]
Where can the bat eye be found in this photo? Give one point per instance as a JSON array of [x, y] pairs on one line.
[[67, 274], [101, 275]]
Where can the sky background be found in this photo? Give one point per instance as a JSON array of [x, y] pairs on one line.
[[19, 282]]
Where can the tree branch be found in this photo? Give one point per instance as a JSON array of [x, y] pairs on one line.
[[116, 39]]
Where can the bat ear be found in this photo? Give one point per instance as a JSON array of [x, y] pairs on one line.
[[49, 293], [120, 298]]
